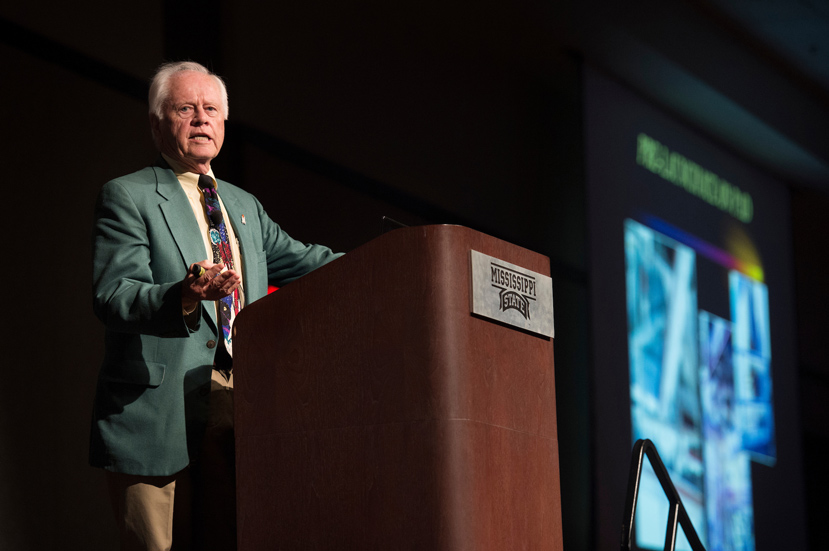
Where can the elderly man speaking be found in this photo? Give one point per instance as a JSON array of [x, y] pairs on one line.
[[177, 253]]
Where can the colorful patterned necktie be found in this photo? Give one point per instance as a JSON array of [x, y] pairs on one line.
[[230, 305]]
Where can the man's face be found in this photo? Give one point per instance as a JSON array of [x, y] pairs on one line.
[[193, 127]]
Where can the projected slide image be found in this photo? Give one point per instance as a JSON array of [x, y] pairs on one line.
[[700, 384], [752, 363], [691, 281], [727, 469], [662, 320]]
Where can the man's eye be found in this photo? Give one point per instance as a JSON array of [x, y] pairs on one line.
[[184, 110]]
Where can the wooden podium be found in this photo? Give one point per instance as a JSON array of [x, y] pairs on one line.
[[375, 412]]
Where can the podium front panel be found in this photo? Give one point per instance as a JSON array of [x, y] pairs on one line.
[[374, 411]]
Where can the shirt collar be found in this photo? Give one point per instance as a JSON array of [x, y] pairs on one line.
[[184, 175]]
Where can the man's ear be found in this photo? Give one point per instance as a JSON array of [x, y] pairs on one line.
[[155, 124]]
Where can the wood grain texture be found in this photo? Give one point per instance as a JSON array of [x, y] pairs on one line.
[[373, 411]]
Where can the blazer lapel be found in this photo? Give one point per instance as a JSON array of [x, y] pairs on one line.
[[234, 214], [183, 228]]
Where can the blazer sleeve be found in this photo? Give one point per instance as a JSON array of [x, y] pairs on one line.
[[288, 259], [126, 296]]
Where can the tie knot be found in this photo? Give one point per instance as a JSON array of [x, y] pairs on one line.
[[205, 181]]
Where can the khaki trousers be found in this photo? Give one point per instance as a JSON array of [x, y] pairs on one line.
[[194, 509]]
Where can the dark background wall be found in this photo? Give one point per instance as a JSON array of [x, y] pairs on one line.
[[340, 113]]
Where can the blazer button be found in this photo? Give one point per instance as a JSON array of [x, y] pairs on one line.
[[211, 344]]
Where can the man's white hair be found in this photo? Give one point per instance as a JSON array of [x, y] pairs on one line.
[[160, 85]]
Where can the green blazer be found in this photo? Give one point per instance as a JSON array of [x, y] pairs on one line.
[[151, 398]]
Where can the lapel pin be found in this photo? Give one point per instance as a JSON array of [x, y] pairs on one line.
[[243, 220]]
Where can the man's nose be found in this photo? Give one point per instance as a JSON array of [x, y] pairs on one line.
[[199, 116]]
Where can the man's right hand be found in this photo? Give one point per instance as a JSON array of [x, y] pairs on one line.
[[213, 284]]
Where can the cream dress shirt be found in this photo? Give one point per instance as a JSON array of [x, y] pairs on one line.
[[190, 184]]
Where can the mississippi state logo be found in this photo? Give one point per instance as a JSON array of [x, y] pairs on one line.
[[515, 289], [511, 294]]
